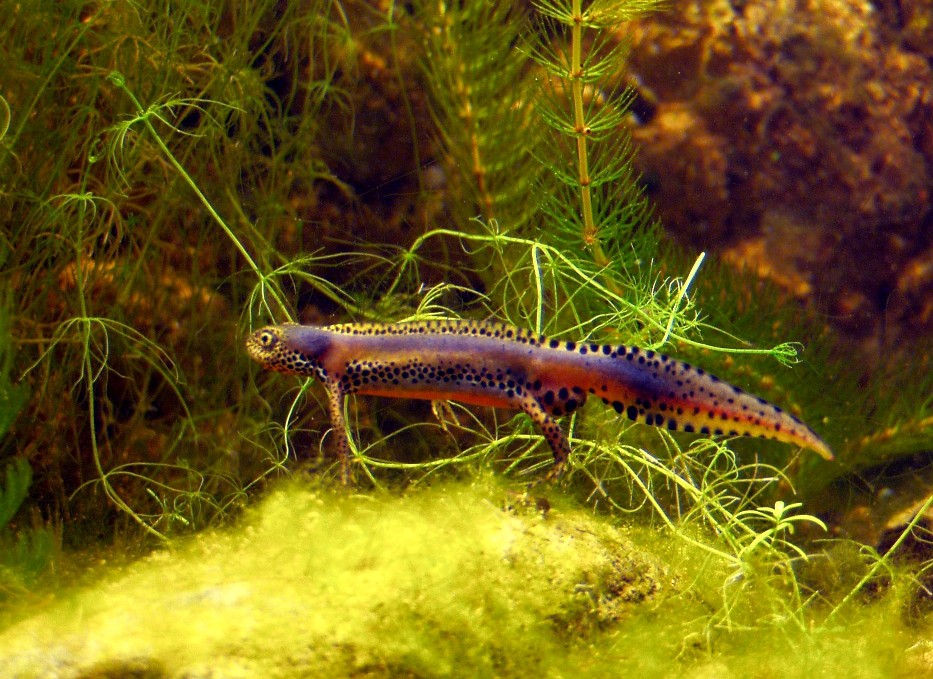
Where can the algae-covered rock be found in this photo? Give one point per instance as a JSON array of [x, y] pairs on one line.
[[461, 579], [326, 583]]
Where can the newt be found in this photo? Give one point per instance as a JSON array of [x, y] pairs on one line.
[[494, 364]]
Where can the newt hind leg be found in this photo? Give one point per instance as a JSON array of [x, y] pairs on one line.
[[552, 432], [335, 401]]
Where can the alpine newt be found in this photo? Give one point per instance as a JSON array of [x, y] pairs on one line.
[[492, 364]]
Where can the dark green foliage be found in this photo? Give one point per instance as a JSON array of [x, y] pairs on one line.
[[127, 289], [482, 91], [12, 399], [13, 492], [12, 396], [583, 101], [27, 553], [508, 121]]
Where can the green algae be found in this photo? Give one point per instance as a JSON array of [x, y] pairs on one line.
[[452, 580]]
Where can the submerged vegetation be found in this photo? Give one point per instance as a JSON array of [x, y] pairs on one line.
[[173, 173]]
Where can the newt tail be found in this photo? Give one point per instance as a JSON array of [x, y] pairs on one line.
[[493, 364]]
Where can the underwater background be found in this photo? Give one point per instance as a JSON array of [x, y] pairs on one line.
[[742, 184]]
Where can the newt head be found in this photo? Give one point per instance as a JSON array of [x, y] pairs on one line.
[[264, 346], [291, 349]]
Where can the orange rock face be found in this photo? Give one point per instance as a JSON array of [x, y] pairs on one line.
[[797, 138]]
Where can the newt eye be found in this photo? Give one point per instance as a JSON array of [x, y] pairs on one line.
[[266, 339]]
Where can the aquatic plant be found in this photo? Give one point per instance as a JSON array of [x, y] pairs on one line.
[[121, 293], [25, 552]]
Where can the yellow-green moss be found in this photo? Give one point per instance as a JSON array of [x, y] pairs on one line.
[[452, 580]]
